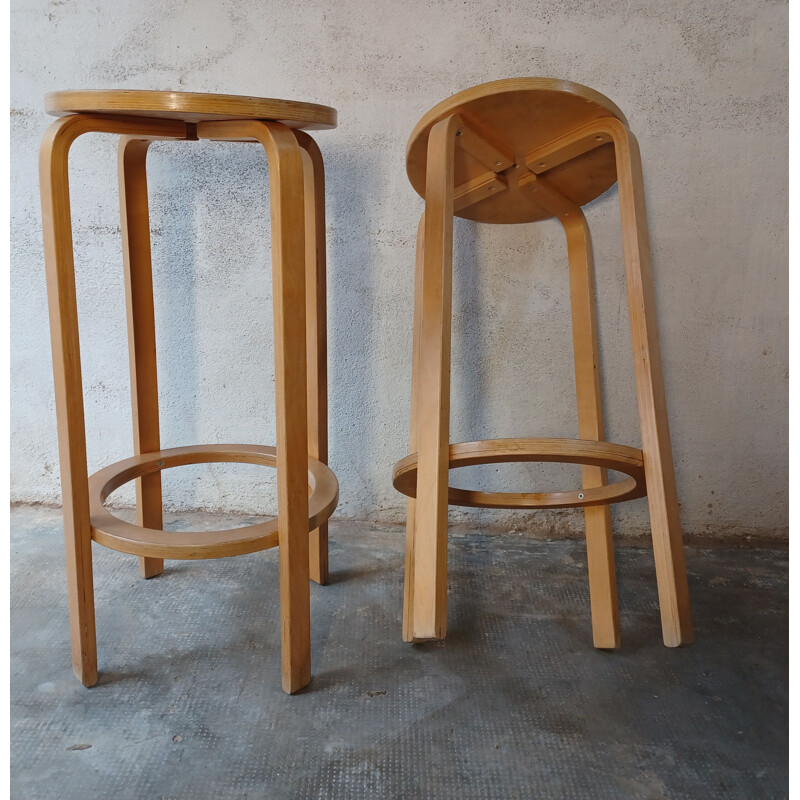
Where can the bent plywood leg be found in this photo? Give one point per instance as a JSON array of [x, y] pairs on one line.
[[141, 332], [288, 213], [673, 590], [408, 583], [432, 402], [57, 225], [316, 333], [599, 540], [289, 298]]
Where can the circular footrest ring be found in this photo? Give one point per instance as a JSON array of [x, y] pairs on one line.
[[616, 457], [117, 534]]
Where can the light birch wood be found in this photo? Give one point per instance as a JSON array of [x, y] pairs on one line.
[[604, 455], [433, 389], [60, 271], [113, 532], [482, 145], [191, 107], [599, 537], [570, 145], [408, 583], [480, 188], [288, 209], [316, 333], [293, 220], [135, 225], [505, 120], [665, 525], [287, 205]]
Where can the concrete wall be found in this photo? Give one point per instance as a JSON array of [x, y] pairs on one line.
[[704, 86]]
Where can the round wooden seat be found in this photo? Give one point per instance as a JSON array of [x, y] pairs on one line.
[[191, 107], [515, 117]]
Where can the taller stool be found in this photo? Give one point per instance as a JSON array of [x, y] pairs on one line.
[[522, 150], [307, 489]]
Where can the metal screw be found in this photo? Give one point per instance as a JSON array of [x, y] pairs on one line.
[[498, 163], [542, 163], [491, 188], [599, 138], [580, 495], [566, 213], [160, 463], [458, 133]]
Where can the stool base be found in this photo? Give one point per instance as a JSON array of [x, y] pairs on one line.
[[117, 534], [569, 451]]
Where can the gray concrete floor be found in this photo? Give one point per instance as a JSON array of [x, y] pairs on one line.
[[515, 704]]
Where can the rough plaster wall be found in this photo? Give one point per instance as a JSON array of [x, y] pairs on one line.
[[704, 85]]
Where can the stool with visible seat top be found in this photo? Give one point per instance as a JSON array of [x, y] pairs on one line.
[[307, 489], [522, 150]]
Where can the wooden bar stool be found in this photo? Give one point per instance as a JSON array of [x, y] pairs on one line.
[[307, 489], [522, 150]]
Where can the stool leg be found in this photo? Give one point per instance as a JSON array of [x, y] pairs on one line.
[[316, 333], [289, 297], [135, 217], [599, 540], [411, 504], [673, 590], [433, 390], [60, 269]]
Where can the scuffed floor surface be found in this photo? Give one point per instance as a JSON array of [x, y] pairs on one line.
[[515, 704]]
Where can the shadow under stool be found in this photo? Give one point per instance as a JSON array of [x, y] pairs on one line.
[[307, 489], [514, 151]]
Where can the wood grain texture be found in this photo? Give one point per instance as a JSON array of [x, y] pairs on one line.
[[656, 444], [191, 107], [65, 342], [298, 257], [316, 333], [411, 505], [135, 227], [592, 453], [287, 208], [432, 402], [673, 588], [569, 145], [288, 212], [117, 534], [591, 426], [515, 117]]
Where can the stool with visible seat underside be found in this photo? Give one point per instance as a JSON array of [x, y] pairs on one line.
[[307, 489], [514, 151]]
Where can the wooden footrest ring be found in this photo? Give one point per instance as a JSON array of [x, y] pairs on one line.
[[113, 532], [620, 458]]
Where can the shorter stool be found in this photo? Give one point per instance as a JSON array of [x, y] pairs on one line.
[[307, 489], [522, 150]]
